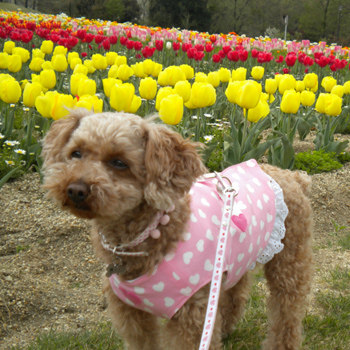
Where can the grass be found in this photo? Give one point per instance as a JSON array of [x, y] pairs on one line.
[[4, 6]]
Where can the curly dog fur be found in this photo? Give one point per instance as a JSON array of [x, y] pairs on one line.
[[126, 169]]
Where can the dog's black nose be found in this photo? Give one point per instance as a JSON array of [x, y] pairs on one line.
[[78, 192]]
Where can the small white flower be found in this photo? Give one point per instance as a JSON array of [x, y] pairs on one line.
[[12, 105], [1, 136], [20, 151], [9, 162], [208, 138], [26, 109], [168, 45]]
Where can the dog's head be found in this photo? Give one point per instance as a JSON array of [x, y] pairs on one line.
[[103, 165]]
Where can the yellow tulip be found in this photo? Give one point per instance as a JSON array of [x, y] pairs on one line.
[[86, 87], [108, 83], [287, 82], [148, 66], [148, 88], [156, 70], [202, 95], [10, 91], [25, 55], [124, 72], [170, 76], [111, 56], [9, 46], [15, 63], [224, 75], [232, 90], [60, 50], [135, 104], [328, 83], [307, 98], [47, 47], [138, 70], [88, 64], [299, 86], [240, 74], [120, 60], [71, 55], [162, 93], [4, 60], [213, 79], [321, 102], [249, 94], [270, 86], [35, 64], [201, 77], [99, 61], [315, 88], [44, 103], [113, 71], [59, 62], [74, 62], [347, 87], [257, 72], [183, 89], [30, 93], [24, 83], [37, 53], [90, 103], [80, 68], [171, 109], [74, 82], [61, 105], [47, 65], [188, 70], [310, 80], [278, 78], [338, 90], [333, 107], [122, 96], [260, 111], [48, 78], [290, 101]]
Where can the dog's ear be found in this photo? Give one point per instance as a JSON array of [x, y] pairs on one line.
[[172, 165], [59, 135]]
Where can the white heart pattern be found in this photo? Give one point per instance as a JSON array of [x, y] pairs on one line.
[[250, 188], [259, 205], [139, 290], [257, 182], [208, 266], [187, 257], [194, 279], [205, 202], [158, 287], [202, 213], [254, 220], [266, 197], [169, 302], [187, 236], [200, 245], [176, 276], [269, 218], [186, 291], [209, 235], [193, 218], [242, 237], [215, 220], [240, 257], [262, 224]]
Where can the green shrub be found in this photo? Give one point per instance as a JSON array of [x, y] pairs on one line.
[[314, 162]]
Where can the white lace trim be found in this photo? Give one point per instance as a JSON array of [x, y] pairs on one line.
[[275, 246]]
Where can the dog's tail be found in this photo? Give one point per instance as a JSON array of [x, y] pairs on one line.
[[304, 180]]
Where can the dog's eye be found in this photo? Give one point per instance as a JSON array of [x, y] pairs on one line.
[[118, 164], [76, 154]]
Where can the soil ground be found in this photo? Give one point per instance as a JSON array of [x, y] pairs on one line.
[[50, 279]]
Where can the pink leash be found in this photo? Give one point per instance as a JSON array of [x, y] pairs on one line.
[[229, 195]]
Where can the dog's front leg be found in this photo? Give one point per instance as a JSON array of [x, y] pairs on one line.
[[138, 329]]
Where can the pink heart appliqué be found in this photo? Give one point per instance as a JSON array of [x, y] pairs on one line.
[[240, 221]]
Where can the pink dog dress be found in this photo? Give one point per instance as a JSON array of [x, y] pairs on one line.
[[257, 227]]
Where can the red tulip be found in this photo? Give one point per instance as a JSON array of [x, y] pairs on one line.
[[243, 55], [216, 58], [148, 52], [212, 38], [255, 53], [138, 45], [191, 52], [308, 61], [83, 54], [123, 40], [290, 59], [72, 41], [99, 39], [176, 46], [285, 71], [81, 33], [199, 47], [129, 45], [226, 48], [185, 47], [209, 48], [199, 55], [113, 39], [222, 54], [106, 44], [89, 38], [159, 45], [233, 56]]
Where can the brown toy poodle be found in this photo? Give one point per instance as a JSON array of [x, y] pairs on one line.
[[145, 188]]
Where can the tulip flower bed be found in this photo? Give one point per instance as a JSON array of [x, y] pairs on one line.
[[224, 90]]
